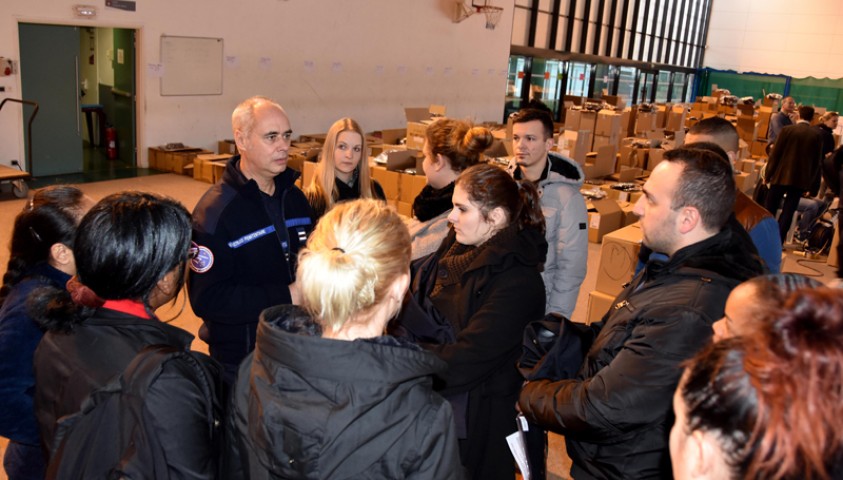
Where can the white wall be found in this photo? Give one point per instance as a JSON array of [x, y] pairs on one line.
[[389, 54], [799, 39]]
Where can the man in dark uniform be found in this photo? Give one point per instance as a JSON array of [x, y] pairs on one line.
[[247, 231]]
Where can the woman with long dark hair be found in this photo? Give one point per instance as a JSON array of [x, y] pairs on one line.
[[472, 300], [41, 255], [131, 251]]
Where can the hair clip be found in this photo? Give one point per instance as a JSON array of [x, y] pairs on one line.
[[35, 234], [338, 249]]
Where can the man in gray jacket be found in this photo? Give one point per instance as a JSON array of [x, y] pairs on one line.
[[558, 179]]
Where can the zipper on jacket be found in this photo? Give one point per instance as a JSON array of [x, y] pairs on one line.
[[624, 304]]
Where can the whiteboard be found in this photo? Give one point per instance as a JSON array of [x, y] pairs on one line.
[[192, 65]]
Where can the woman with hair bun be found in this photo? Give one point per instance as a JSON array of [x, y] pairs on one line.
[[343, 170], [326, 393], [472, 299], [41, 255], [766, 404], [131, 252], [450, 147]]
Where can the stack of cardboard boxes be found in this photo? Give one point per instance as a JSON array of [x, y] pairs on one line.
[[618, 259]]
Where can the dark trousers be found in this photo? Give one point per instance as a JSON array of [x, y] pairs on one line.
[[24, 462], [791, 202]]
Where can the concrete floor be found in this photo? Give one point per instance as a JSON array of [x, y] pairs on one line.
[[188, 191]]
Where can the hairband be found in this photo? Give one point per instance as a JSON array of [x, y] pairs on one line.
[[338, 249], [82, 294]]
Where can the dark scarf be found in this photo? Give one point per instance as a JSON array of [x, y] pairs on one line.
[[430, 202], [459, 257]]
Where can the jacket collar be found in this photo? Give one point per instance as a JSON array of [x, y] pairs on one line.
[[233, 176], [169, 334], [288, 336]]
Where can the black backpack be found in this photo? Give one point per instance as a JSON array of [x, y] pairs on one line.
[[108, 437]]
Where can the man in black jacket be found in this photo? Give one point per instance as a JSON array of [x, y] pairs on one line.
[[616, 412], [247, 231], [793, 168]]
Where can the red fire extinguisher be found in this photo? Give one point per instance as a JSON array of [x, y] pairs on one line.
[[111, 142]]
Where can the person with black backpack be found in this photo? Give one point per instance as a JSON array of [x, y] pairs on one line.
[[118, 394]]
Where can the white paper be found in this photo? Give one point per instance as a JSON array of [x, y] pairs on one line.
[[155, 70], [519, 452]]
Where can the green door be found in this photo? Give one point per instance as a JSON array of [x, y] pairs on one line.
[[124, 94], [50, 77]]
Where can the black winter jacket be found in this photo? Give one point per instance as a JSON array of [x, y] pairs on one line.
[[68, 367], [616, 413], [344, 192], [485, 311], [306, 407], [244, 264]]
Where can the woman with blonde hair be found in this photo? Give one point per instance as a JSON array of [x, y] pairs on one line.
[[343, 170], [326, 393], [450, 147]]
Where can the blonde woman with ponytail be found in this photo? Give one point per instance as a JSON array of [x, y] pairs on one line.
[[326, 393], [450, 147]]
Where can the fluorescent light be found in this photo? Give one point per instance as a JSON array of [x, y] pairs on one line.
[[85, 11]]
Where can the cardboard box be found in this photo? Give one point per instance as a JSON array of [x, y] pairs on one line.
[[572, 119], [599, 304], [227, 147], [416, 132], [747, 166], [602, 163], [602, 141], [676, 118], [645, 122], [588, 120], [173, 160], [389, 180], [410, 186], [203, 169], [390, 136], [318, 138], [618, 259], [759, 148], [608, 123], [604, 216], [629, 216], [307, 169], [746, 181], [654, 157], [385, 147], [405, 209], [574, 144], [747, 129]]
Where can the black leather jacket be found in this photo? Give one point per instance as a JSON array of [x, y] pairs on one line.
[[617, 412]]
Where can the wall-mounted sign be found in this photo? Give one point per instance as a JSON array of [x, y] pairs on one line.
[[128, 5]]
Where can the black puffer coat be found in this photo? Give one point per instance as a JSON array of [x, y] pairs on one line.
[[617, 412], [306, 407]]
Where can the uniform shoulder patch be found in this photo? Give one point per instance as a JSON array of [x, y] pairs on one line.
[[202, 258]]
